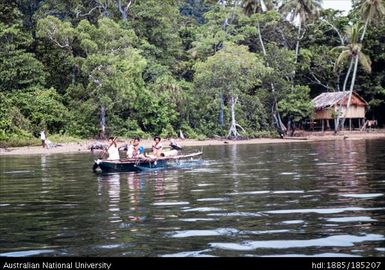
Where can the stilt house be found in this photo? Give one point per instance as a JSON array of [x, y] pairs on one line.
[[326, 107]]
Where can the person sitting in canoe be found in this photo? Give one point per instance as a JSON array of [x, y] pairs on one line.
[[130, 149], [137, 150], [157, 147], [112, 150]]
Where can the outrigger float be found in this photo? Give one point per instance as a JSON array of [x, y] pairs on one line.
[[147, 163]]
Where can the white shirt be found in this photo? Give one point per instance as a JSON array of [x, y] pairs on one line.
[[113, 153], [42, 135], [130, 151]]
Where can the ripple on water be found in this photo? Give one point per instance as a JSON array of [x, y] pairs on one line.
[[203, 209], [204, 185], [23, 253], [195, 233], [199, 253], [197, 219], [249, 192], [351, 219], [236, 214], [325, 163], [265, 232], [293, 222], [110, 246], [362, 195], [322, 210], [257, 192], [207, 170], [285, 202], [15, 172], [331, 241], [212, 199], [288, 191], [170, 203]]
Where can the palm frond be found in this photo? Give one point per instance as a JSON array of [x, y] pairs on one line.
[[342, 58], [371, 9], [305, 8], [353, 32], [365, 62]]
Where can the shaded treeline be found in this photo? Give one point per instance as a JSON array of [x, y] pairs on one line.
[[142, 67]]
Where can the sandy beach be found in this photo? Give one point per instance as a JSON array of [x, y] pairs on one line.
[[84, 146]]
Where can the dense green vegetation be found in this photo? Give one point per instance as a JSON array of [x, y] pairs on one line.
[[209, 68]]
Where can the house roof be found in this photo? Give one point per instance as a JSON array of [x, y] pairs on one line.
[[331, 98]]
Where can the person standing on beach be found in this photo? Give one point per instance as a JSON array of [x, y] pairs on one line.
[[43, 138]]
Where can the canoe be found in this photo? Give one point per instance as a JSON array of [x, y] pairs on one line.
[[145, 164]]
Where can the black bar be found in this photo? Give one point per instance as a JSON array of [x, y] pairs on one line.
[[121, 263]]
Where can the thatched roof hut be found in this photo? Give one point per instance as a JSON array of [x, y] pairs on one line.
[[326, 106]]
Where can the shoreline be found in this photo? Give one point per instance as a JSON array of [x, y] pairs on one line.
[[83, 147]]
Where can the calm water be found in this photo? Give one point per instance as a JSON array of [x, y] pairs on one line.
[[301, 199]]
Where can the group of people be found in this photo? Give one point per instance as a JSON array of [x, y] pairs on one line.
[[135, 150]]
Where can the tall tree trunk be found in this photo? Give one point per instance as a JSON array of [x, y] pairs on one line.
[[277, 122], [123, 9], [297, 44], [233, 133], [221, 112], [336, 30], [347, 75], [102, 122], [351, 89], [124, 15], [337, 120], [354, 72], [364, 32], [73, 74], [73, 71], [260, 39], [290, 125], [296, 55]]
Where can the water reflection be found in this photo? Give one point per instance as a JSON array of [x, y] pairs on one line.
[[136, 188], [322, 198]]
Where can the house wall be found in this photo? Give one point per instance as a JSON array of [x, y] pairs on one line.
[[354, 112], [323, 114]]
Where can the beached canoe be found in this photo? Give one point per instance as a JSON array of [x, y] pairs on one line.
[[144, 164]]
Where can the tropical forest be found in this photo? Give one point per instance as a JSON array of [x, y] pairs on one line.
[[204, 68]]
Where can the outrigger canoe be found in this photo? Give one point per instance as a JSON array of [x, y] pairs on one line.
[[145, 164]]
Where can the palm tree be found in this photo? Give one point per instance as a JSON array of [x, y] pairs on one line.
[[352, 52], [370, 10], [299, 11], [302, 10]]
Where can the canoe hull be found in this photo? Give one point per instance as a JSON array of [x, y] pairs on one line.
[[107, 166], [137, 165]]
